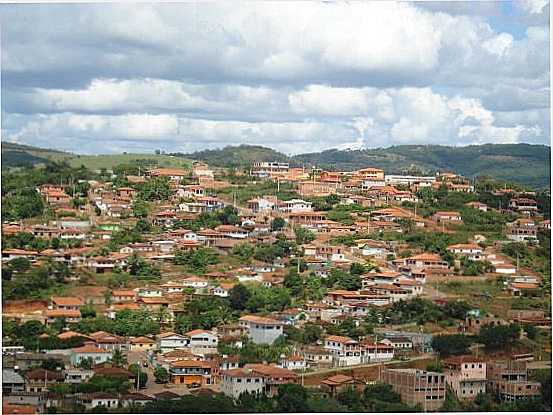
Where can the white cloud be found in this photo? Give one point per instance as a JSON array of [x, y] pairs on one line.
[[326, 74]]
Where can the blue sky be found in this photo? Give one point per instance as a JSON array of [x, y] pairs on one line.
[[295, 76]]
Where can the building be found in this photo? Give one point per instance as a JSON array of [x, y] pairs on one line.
[[12, 382], [262, 330], [202, 341], [522, 230], [448, 217], [523, 205], [141, 344], [235, 382], [336, 384], [471, 251], [417, 387], [170, 341], [192, 373], [273, 376], [466, 376], [508, 381], [266, 169], [89, 351]]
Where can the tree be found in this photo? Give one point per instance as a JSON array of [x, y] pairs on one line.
[[453, 344], [198, 260], [118, 359], [157, 188], [303, 235], [238, 297], [161, 375], [141, 377], [243, 251], [292, 398], [294, 283], [277, 224], [88, 310], [499, 337]]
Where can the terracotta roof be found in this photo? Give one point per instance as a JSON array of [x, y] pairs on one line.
[[198, 331], [70, 334], [259, 320], [340, 339], [337, 380], [63, 313], [43, 374], [141, 339], [191, 363], [240, 373], [67, 301], [123, 293], [19, 409], [89, 348]]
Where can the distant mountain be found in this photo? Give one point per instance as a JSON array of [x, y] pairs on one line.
[[522, 163]]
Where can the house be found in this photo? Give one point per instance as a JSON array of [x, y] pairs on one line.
[[477, 205], [77, 375], [202, 341], [448, 217], [170, 341], [12, 381], [223, 289], [67, 303], [465, 375], [235, 382], [274, 376], [294, 206], [89, 351], [40, 380], [191, 373], [69, 316], [141, 343], [523, 205], [471, 251], [318, 357], [346, 351], [261, 330], [262, 204], [293, 362], [123, 296], [417, 387], [133, 399], [336, 384], [399, 343], [108, 341], [173, 174], [524, 289], [99, 400], [522, 230]]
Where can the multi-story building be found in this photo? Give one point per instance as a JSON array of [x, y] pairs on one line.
[[191, 372], [522, 230], [508, 380], [235, 382], [262, 330], [466, 375], [269, 168], [417, 387]]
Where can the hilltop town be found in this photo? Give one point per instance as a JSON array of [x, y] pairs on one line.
[[272, 288]]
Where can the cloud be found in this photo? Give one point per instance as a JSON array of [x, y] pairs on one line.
[[195, 75]]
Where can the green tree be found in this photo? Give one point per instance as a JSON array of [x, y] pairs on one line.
[[277, 224], [239, 296], [161, 375], [292, 398], [499, 337], [453, 344]]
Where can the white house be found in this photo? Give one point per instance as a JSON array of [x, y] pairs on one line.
[[262, 330], [472, 251], [293, 362], [235, 382], [346, 351], [89, 351], [295, 205], [202, 341], [170, 341]]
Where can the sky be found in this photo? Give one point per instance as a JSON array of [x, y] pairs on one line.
[[294, 76]]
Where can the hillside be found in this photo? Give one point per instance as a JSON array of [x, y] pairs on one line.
[[237, 156], [523, 163], [16, 155]]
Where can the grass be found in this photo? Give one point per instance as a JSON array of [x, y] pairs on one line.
[[108, 161]]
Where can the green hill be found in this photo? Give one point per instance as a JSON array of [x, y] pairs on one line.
[[523, 163], [16, 155]]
